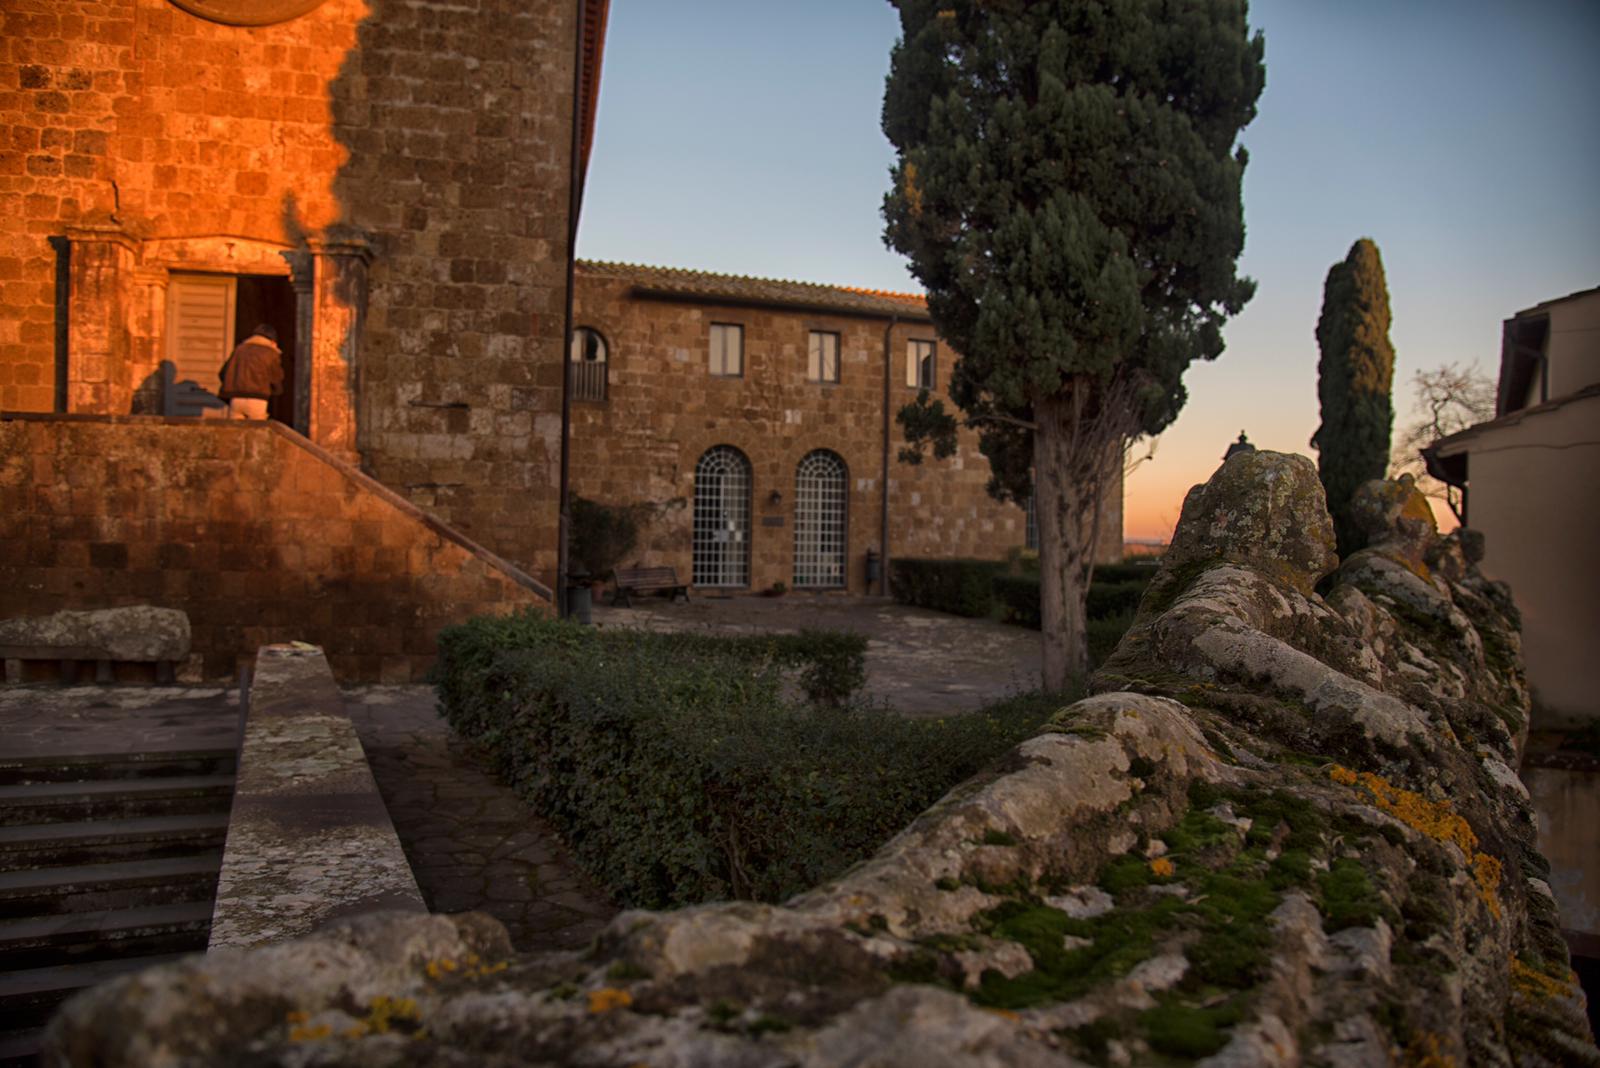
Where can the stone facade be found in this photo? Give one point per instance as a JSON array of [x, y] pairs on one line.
[[394, 176], [258, 535], [663, 408]]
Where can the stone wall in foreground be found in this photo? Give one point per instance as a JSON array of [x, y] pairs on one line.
[[1285, 831], [257, 534]]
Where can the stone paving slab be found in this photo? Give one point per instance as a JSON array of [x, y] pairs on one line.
[[471, 842], [44, 721], [919, 662]]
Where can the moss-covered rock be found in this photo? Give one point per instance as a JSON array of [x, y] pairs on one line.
[[1286, 831]]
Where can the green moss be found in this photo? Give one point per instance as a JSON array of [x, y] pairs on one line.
[[623, 971], [946, 883], [721, 1011], [1348, 897], [1118, 941], [998, 838], [1180, 1030], [1199, 831], [766, 1024], [1124, 874], [919, 966], [1290, 869]]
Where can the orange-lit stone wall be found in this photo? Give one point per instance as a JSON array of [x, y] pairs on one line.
[[663, 410], [257, 535], [407, 162]]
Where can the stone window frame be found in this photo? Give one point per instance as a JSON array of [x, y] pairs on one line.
[[914, 363], [838, 356], [711, 354], [117, 318], [590, 379]]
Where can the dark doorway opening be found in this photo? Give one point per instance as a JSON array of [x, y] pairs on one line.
[[269, 299]]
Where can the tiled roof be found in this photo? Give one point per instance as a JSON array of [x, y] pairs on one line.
[[705, 286], [592, 43]]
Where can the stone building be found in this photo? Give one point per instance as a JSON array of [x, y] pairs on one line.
[[757, 418], [394, 185], [391, 184]]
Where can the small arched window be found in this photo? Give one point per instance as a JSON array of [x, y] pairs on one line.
[[586, 362]]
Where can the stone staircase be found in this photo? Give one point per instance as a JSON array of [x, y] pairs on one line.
[[108, 863]]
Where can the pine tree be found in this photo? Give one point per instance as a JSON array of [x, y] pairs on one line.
[[1068, 192], [1354, 378]]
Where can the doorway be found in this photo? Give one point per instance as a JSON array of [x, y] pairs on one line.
[[207, 316]]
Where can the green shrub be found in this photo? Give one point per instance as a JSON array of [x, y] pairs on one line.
[[678, 772], [1019, 598], [961, 587], [1140, 573], [1114, 598], [602, 534]]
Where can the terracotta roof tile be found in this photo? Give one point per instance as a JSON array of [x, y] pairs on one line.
[[744, 289]]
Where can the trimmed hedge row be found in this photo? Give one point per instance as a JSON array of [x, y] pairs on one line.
[[961, 587], [975, 587], [676, 770]]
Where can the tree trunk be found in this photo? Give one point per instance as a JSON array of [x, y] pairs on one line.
[[1066, 496]]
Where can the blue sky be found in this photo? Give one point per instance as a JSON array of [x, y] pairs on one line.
[[1463, 137]]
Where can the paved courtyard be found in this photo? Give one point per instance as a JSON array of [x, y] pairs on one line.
[[471, 843], [919, 662]]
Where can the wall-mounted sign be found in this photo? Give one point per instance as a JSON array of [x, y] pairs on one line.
[[248, 12]]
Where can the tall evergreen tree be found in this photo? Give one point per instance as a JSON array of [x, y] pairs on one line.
[[1354, 379], [1068, 192]]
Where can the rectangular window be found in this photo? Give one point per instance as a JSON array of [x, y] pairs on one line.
[[727, 349], [920, 365], [823, 360]]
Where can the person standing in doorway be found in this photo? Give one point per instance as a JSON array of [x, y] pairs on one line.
[[253, 375]]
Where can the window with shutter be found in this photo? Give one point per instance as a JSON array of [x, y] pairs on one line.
[[200, 329]]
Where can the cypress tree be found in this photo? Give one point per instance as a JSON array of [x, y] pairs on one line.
[[1355, 376], [1067, 190]]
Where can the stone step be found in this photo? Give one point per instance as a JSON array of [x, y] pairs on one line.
[[77, 767], [61, 845], [20, 1049], [65, 802], [98, 887], [151, 930], [27, 998]]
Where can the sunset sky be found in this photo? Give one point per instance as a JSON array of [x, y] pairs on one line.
[[1463, 136]]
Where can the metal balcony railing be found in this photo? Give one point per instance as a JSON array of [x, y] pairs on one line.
[[588, 380]]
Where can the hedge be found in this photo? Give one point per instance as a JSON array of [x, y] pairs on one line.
[[961, 587], [677, 771]]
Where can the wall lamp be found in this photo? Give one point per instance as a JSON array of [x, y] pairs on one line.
[[774, 499]]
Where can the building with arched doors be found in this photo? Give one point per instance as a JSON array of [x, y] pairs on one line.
[[756, 418]]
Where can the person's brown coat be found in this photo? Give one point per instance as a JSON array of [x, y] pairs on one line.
[[254, 370]]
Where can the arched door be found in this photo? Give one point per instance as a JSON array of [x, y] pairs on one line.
[[722, 518], [820, 484]]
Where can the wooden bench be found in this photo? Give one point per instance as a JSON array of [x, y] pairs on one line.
[[631, 580]]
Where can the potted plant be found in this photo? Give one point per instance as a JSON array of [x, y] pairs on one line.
[[599, 536], [777, 589]]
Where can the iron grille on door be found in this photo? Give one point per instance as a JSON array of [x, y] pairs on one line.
[[722, 518], [819, 521]]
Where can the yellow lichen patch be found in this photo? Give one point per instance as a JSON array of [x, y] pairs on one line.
[[1437, 819], [1423, 1052], [1486, 873], [1009, 1014], [296, 1017], [607, 998], [1163, 867], [437, 969], [1534, 983], [309, 1034]]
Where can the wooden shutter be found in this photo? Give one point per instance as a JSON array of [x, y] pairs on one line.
[[200, 309]]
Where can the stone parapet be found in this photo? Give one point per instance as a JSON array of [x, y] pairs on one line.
[[309, 838]]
